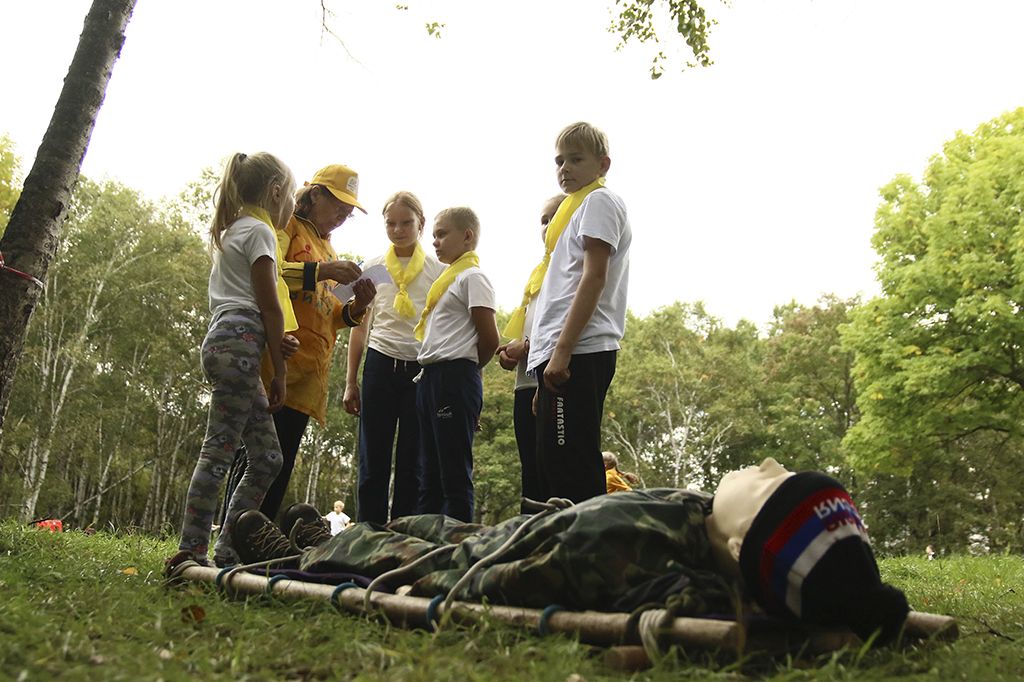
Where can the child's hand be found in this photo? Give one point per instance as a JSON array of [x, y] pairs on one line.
[[278, 391], [557, 372], [510, 354], [504, 360], [289, 346], [341, 271], [351, 400]]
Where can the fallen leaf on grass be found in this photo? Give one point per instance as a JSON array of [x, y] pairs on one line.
[[131, 570], [192, 614]]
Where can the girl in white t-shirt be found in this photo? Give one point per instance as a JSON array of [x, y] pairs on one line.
[[387, 400], [253, 198]]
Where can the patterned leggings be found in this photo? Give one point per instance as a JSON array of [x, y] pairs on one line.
[[231, 355]]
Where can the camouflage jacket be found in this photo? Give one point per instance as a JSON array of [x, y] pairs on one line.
[[610, 553]]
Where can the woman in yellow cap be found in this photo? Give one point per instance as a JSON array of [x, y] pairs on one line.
[[311, 269]]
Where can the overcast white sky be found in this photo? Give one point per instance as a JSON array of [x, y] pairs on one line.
[[749, 183]]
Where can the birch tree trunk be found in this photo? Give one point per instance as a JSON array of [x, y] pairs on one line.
[[30, 241]]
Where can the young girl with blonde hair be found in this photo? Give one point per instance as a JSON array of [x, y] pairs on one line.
[[387, 401], [253, 198]]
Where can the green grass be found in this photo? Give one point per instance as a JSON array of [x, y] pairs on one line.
[[69, 611]]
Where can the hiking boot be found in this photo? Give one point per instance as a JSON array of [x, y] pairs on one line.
[[299, 510], [309, 533], [304, 525], [256, 538]]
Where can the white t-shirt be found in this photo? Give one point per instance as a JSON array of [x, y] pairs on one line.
[[450, 332], [338, 521], [391, 333], [602, 215], [244, 242]]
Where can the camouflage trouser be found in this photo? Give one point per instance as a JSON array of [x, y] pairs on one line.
[[610, 553], [231, 355]]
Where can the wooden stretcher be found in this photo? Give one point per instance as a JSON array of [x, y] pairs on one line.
[[630, 642]]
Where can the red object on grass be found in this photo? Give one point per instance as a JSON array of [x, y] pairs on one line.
[[52, 525]]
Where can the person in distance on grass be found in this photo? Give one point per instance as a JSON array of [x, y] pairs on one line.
[[338, 519], [613, 478], [459, 337]]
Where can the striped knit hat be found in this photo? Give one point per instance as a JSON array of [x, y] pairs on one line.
[[807, 556]]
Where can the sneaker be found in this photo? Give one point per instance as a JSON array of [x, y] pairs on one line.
[[256, 538], [224, 562], [309, 533]]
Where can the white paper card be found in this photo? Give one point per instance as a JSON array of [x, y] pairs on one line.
[[378, 274]]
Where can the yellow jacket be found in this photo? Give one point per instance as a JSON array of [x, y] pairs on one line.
[[614, 481], [319, 313]]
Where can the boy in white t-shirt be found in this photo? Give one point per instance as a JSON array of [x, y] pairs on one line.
[[580, 317], [459, 337], [338, 518]]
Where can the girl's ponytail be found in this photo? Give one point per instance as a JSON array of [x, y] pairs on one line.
[[248, 180]]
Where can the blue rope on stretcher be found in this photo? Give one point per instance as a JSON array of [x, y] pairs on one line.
[[542, 624], [218, 583], [432, 612], [269, 589], [336, 594]]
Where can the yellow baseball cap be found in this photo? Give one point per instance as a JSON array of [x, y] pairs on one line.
[[342, 181]]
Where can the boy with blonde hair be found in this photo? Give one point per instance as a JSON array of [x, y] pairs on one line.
[[580, 316], [459, 337]]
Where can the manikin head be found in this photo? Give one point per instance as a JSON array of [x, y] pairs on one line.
[[739, 498], [801, 550]]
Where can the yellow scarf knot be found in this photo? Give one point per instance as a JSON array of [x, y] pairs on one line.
[[441, 284], [403, 277], [514, 330]]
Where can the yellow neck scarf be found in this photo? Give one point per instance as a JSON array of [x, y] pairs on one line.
[[403, 304], [514, 330], [283, 295], [441, 284]]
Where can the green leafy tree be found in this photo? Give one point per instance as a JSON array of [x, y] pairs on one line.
[[638, 19], [938, 355], [30, 239], [966, 496], [112, 374], [10, 180], [660, 413], [809, 398]]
